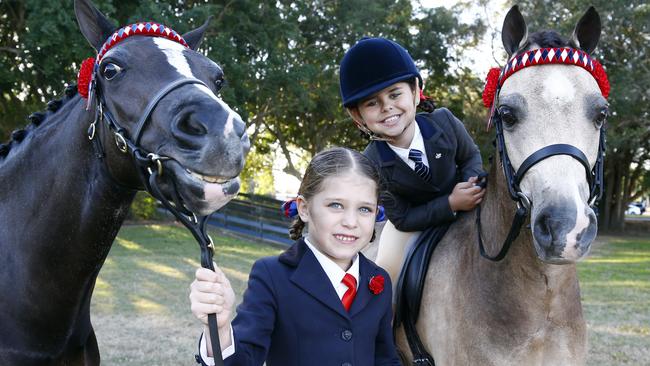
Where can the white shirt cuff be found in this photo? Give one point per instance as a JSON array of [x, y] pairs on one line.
[[203, 349]]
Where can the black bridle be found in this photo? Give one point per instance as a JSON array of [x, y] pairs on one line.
[[149, 167], [513, 179]]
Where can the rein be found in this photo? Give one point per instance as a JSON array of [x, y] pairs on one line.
[[149, 165], [594, 176]]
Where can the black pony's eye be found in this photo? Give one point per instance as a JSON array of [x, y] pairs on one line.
[[110, 71], [507, 116], [601, 117], [219, 83]]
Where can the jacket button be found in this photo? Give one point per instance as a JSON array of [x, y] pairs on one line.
[[346, 364], [346, 335]]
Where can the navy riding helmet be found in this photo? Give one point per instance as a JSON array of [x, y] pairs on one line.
[[371, 65]]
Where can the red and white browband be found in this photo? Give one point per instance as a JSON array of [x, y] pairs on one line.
[[543, 56], [150, 29]]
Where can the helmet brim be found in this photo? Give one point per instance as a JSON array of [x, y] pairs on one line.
[[354, 99]]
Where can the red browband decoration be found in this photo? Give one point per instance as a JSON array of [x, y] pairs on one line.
[[150, 29], [542, 56]]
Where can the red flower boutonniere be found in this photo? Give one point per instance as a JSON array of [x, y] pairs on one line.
[[376, 284]]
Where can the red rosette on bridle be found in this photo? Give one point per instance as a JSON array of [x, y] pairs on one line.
[[85, 76], [491, 83], [601, 78]]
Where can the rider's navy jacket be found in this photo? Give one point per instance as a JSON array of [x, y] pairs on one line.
[[291, 316], [412, 203]]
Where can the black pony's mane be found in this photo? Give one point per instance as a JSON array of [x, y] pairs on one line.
[[36, 119]]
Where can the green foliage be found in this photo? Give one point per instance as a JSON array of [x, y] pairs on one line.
[[257, 176], [143, 207], [280, 59]]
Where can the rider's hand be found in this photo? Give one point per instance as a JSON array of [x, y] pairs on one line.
[[466, 195]]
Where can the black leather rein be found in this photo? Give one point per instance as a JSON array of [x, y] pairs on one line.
[[149, 167]]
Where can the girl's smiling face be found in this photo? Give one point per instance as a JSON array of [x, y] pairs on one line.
[[341, 216], [390, 113]]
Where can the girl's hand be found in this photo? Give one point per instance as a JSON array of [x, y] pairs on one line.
[[466, 195], [211, 293]]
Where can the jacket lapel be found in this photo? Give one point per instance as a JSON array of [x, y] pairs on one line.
[[311, 278], [366, 271]]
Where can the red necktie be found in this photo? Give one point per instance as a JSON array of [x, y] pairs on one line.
[[349, 295]]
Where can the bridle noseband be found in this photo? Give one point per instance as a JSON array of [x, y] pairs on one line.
[[594, 175], [148, 164]]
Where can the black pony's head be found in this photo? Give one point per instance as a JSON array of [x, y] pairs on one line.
[[204, 139]]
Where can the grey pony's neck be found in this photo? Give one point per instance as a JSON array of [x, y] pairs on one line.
[[538, 291], [64, 213]]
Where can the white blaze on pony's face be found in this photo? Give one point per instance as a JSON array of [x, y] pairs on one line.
[[176, 57], [545, 105]]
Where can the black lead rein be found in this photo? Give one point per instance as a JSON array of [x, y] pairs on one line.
[[149, 168]]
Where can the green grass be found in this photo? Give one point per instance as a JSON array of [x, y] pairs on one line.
[[141, 314], [140, 307], [615, 285]]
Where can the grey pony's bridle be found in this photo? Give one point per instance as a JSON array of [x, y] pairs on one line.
[[149, 167], [513, 179]]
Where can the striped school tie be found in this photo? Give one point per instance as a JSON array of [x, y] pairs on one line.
[[421, 169]]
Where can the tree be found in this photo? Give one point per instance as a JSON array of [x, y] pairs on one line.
[[622, 50], [280, 59]]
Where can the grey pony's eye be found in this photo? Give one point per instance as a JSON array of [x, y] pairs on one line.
[[601, 117], [507, 115], [110, 71]]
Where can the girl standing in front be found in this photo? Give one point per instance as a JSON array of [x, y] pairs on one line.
[[428, 160], [321, 301]]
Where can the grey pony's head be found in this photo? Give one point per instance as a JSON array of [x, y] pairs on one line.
[[554, 104]]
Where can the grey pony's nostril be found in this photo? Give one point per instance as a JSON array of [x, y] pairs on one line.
[[586, 236], [543, 230], [191, 125]]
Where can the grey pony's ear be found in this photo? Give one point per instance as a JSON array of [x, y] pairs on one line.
[[93, 24], [587, 32], [194, 37], [514, 33]]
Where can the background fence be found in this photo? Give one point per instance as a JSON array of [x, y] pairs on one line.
[[257, 217]]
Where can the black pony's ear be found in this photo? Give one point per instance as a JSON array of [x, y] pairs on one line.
[[93, 24], [514, 32], [194, 37], [587, 31]]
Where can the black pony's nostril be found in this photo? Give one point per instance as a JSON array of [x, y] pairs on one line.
[[192, 126], [240, 127]]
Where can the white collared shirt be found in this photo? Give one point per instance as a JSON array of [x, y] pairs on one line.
[[417, 143], [333, 272]]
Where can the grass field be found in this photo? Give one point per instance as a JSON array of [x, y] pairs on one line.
[[141, 315], [140, 308]]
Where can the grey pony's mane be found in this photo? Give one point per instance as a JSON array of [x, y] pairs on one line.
[[546, 39], [36, 119]]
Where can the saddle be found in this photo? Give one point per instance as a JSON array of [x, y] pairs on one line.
[[409, 290]]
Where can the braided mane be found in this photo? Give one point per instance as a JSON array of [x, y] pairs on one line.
[[36, 119]]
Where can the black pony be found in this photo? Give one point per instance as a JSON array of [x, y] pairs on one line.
[[68, 179]]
